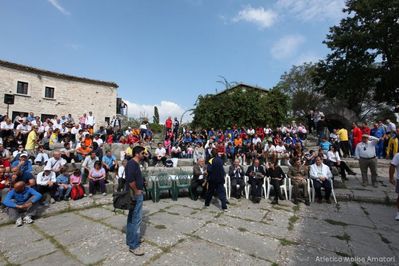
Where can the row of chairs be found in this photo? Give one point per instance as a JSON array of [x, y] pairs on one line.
[[286, 188], [173, 184]]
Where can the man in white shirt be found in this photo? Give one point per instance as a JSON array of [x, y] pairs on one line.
[[46, 183], [365, 153], [160, 154], [56, 162], [6, 128], [395, 166], [90, 120], [321, 175], [41, 157]]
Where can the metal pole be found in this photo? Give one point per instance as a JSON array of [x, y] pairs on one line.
[[8, 108]]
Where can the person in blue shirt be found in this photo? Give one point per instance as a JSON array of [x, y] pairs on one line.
[[378, 132], [24, 169], [325, 145], [22, 203], [109, 161]]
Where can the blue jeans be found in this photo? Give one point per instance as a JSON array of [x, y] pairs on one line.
[[133, 224]]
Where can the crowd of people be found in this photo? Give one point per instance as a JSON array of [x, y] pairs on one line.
[[26, 141]]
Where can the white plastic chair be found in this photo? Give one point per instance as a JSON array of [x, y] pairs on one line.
[[227, 186], [283, 187], [313, 190], [247, 187]]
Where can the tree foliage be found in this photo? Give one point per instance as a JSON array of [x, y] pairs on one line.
[[364, 59], [299, 85], [240, 107], [155, 118]]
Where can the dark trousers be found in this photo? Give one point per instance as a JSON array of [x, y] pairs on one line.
[[197, 188], [344, 145], [343, 168], [276, 183], [94, 183], [155, 160], [237, 191], [219, 188], [15, 213], [46, 189], [319, 184], [121, 184], [256, 187]]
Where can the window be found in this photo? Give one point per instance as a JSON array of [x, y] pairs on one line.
[[49, 92], [22, 87], [45, 116], [107, 120]]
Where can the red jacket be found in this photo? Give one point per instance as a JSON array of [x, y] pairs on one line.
[[357, 136]]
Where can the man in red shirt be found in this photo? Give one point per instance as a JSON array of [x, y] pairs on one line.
[[365, 129], [357, 135], [168, 123]]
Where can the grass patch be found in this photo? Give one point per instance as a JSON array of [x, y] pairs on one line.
[[174, 213], [286, 242], [296, 208], [160, 226], [242, 229], [343, 254], [291, 221], [334, 222], [280, 208], [344, 237], [274, 264], [193, 212]]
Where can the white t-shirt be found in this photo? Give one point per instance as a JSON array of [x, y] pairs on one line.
[[99, 141], [280, 149], [6, 126], [395, 162], [160, 152]]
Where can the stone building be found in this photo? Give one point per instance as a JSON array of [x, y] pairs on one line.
[[47, 93]]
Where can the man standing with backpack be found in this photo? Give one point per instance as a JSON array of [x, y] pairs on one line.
[[135, 183]]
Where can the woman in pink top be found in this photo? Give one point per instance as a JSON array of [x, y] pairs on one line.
[[76, 182], [97, 177]]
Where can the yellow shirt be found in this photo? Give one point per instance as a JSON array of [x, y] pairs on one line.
[[129, 152], [31, 141], [53, 138], [392, 146], [343, 134]]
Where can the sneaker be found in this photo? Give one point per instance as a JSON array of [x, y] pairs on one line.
[[141, 240], [28, 219], [90, 195], [397, 217], [18, 222], [52, 201], [137, 251], [225, 210], [104, 194]]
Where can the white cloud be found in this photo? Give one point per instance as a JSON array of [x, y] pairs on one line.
[[58, 6], [165, 109], [319, 10], [287, 46], [259, 16]]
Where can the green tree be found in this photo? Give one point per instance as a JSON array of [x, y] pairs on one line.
[[155, 118], [241, 107], [299, 85], [364, 59]]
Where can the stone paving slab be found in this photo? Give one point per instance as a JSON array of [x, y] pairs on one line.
[[199, 252], [252, 244], [53, 258], [30, 252]]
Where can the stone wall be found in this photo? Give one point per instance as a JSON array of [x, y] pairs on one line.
[[70, 97]]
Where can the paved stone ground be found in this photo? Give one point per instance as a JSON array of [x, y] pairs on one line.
[[88, 232]]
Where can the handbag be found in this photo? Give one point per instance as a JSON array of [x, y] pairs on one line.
[[123, 200]]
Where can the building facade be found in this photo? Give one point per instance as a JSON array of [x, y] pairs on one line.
[[47, 93]]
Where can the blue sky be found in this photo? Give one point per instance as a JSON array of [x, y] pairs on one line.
[[167, 52]]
